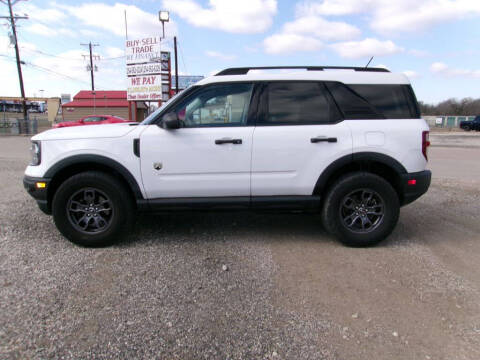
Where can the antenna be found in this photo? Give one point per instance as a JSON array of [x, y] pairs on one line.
[[369, 61]]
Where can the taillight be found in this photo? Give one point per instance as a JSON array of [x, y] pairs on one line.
[[425, 143]]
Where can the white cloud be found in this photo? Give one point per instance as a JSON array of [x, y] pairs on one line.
[[290, 43], [219, 55], [112, 51], [445, 70], [366, 48], [307, 33], [234, 16], [411, 74], [321, 28], [45, 15], [389, 16], [44, 30], [112, 19]]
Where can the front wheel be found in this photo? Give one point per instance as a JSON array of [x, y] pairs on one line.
[[92, 209], [361, 209]]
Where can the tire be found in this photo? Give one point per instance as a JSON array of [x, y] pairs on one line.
[[110, 217], [342, 207], [467, 128]]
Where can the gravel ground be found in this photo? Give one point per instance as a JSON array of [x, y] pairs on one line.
[[289, 291]]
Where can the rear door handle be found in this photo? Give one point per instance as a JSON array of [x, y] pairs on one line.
[[228, 141], [323, 139]]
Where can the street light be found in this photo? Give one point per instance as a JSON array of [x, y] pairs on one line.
[[164, 17]]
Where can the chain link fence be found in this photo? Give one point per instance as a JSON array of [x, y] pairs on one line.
[[14, 126]]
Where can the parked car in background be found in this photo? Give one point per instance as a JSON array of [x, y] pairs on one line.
[[92, 120], [468, 125]]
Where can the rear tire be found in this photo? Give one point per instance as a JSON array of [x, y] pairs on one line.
[[360, 209], [93, 209], [467, 128]]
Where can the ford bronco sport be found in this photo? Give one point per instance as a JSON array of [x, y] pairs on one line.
[[347, 143]]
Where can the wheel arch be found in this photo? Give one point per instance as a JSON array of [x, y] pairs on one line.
[[73, 165], [380, 164]]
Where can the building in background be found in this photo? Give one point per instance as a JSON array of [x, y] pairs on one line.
[[111, 102], [185, 81]]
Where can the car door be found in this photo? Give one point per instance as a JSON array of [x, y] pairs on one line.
[[210, 155], [299, 133]]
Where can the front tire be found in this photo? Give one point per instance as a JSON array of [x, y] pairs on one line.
[[92, 209], [360, 209]]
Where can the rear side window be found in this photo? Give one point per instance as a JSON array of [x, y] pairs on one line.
[[393, 101], [298, 103], [351, 104]]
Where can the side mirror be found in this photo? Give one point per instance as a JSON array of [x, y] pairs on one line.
[[171, 121]]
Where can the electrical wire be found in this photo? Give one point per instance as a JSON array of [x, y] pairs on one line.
[[50, 55], [183, 60]]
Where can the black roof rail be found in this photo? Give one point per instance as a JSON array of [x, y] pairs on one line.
[[245, 70]]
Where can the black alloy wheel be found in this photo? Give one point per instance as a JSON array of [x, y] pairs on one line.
[[362, 210], [90, 210]]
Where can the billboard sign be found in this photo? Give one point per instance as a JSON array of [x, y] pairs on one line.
[[144, 88], [147, 66], [142, 51], [184, 81], [144, 69]]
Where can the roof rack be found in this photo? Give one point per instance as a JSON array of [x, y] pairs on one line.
[[245, 70]]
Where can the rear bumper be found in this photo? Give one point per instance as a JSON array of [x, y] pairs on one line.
[[415, 185], [30, 184]]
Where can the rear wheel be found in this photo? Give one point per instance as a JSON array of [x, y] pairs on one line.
[[92, 209], [361, 209], [466, 128]]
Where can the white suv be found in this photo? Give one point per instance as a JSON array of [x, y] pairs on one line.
[[347, 143]]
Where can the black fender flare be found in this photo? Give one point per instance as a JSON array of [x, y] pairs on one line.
[[98, 160], [354, 158]]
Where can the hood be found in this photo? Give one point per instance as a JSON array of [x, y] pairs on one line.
[[86, 132]]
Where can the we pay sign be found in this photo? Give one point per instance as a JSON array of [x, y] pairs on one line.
[[145, 88], [146, 80]]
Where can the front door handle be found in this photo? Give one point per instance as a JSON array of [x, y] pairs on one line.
[[323, 139], [228, 141]]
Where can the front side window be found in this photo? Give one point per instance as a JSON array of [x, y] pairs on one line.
[[299, 103], [216, 105]]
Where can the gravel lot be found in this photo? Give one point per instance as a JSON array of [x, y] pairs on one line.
[[290, 291]]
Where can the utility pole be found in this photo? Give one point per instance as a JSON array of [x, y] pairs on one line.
[[176, 64], [12, 19], [90, 45]]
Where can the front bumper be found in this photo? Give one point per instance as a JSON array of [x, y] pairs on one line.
[[39, 194], [415, 185]]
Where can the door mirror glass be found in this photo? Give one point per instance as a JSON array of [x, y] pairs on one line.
[[171, 121]]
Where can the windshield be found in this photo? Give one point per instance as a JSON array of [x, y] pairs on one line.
[[150, 118]]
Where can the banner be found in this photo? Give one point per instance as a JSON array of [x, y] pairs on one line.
[[142, 51], [148, 70], [144, 88]]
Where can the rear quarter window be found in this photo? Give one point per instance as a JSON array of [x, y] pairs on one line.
[[392, 101]]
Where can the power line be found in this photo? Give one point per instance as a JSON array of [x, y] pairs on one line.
[[183, 60], [12, 19]]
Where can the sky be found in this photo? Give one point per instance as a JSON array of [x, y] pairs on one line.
[[436, 43]]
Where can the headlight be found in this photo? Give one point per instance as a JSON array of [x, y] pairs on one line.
[[35, 152]]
